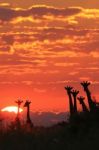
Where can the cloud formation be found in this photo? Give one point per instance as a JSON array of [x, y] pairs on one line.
[[43, 48], [8, 14]]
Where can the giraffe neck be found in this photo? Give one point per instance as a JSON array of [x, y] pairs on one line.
[[88, 94], [90, 102], [71, 104], [28, 114], [18, 112], [84, 107], [75, 104]]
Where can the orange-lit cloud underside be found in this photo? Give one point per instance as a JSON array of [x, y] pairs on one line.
[[45, 47]]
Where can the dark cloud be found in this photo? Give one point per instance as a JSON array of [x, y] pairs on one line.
[[9, 39], [65, 31], [49, 33], [7, 14], [54, 11]]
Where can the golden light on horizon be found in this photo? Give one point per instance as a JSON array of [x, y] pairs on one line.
[[11, 109]]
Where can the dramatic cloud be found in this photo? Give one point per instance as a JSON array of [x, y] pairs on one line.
[[37, 12], [44, 48]]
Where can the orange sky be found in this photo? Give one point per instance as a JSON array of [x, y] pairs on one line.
[[45, 46]]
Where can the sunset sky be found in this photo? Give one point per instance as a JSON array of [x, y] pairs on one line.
[[45, 45]]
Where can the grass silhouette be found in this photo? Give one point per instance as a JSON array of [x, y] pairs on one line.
[[80, 133]]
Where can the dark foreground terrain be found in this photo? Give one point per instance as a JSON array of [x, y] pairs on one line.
[[76, 135]]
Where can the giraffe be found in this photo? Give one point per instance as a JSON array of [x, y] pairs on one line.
[[75, 93], [84, 107], [27, 104], [71, 107], [92, 105], [19, 102]]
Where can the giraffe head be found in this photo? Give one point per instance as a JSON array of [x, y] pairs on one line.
[[27, 103], [81, 99], [85, 84], [68, 88], [75, 92], [19, 102]]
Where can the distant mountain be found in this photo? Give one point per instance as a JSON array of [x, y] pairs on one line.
[[48, 118], [38, 118]]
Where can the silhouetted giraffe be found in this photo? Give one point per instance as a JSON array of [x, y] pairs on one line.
[[84, 107], [27, 104], [68, 89], [92, 105], [19, 102], [75, 93]]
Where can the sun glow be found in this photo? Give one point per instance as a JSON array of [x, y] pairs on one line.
[[11, 109]]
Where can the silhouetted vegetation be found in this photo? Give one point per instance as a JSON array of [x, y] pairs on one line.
[[81, 131]]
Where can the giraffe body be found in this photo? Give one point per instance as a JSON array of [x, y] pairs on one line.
[[28, 119], [84, 107]]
